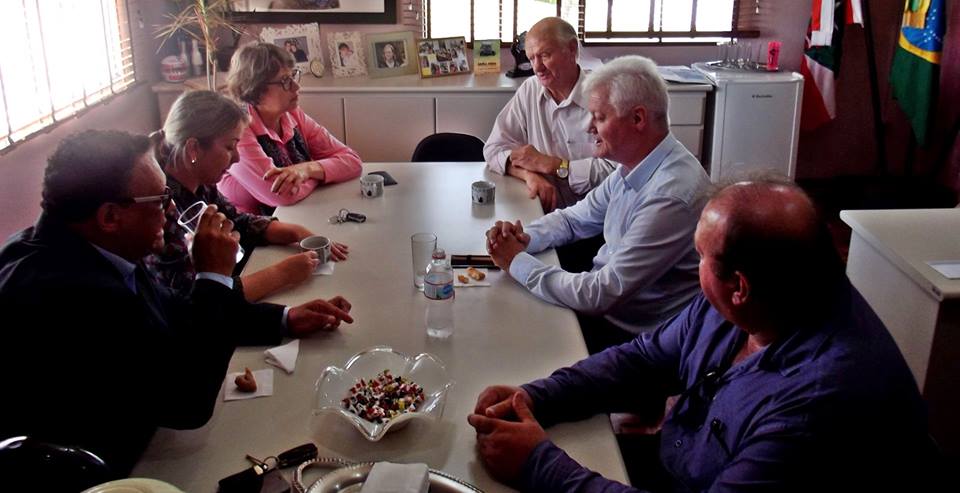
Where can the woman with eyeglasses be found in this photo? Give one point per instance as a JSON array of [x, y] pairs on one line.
[[196, 146], [284, 154]]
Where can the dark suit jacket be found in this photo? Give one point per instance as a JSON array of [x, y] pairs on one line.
[[90, 363]]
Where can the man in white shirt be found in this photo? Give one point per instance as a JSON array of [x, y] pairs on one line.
[[647, 211], [541, 135]]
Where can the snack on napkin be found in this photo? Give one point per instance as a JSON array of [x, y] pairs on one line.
[[246, 382], [387, 477], [475, 274], [463, 279]]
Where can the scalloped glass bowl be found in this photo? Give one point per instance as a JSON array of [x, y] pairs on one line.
[[424, 369]]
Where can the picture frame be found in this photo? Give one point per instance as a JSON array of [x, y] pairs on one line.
[[391, 54], [438, 57], [302, 40], [346, 54], [321, 11], [486, 56]]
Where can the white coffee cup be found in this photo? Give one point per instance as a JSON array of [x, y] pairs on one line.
[[319, 244], [371, 186], [483, 192]]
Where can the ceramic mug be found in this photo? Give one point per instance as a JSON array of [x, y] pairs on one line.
[[371, 186], [319, 244], [483, 192]]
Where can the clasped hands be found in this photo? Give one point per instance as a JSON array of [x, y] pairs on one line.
[[504, 241], [507, 431], [287, 180]]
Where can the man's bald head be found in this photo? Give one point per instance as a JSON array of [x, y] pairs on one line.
[[770, 232], [556, 30]]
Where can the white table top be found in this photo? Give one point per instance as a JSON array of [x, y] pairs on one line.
[[503, 335], [909, 238]]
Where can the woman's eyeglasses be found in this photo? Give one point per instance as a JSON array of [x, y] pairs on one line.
[[287, 81], [164, 199]]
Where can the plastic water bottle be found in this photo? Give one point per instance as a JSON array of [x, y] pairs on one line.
[[438, 288]]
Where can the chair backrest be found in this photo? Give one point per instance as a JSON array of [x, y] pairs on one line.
[[448, 147], [27, 464]]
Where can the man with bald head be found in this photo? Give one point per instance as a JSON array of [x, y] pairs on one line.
[[787, 379], [541, 136]]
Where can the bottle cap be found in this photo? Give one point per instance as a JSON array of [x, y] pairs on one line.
[[439, 254]]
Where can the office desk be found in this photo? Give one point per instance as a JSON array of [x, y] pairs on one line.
[[920, 307], [503, 335]]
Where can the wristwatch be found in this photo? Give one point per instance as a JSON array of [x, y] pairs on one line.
[[564, 170]]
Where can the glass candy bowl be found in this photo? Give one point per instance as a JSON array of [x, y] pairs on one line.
[[423, 369]]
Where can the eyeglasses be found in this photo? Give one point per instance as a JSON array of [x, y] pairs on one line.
[[164, 199], [287, 81]]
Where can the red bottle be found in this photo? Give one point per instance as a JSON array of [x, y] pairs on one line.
[[773, 56]]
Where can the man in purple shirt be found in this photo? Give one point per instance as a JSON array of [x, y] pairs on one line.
[[787, 379]]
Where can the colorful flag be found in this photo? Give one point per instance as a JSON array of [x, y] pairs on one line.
[[915, 70], [821, 58]]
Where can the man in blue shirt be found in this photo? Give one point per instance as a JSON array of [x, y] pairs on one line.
[[647, 210], [787, 379]]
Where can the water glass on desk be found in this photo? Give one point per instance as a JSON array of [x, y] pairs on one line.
[[190, 219], [422, 246]]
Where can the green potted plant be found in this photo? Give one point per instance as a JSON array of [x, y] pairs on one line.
[[208, 22]]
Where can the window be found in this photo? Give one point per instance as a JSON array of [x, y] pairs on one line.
[[59, 57], [597, 21]]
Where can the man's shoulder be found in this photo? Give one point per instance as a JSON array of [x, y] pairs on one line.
[[681, 177]]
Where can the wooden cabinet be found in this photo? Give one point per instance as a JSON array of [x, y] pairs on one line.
[[472, 114], [327, 110]]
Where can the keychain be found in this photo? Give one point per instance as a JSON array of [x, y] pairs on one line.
[[346, 216]]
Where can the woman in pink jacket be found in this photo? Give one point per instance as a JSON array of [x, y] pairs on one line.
[[284, 154]]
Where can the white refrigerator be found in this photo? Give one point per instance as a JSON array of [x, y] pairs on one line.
[[753, 123]]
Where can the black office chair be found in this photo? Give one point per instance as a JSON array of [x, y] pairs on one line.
[[448, 147], [27, 464]]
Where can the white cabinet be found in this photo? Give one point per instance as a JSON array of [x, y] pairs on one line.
[[327, 110], [387, 128], [470, 114], [385, 119]]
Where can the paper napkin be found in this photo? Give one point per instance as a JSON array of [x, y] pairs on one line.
[[264, 380], [285, 356]]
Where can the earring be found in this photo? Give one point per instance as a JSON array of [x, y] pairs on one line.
[[193, 161]]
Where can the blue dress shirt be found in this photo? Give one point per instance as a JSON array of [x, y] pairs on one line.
[[830, 406], [647, 270]]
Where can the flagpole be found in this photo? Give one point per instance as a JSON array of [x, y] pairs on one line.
[[879, 131]]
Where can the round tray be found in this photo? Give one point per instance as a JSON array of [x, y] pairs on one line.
[[350, 479]]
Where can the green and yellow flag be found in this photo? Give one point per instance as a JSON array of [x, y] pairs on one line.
[[915, 71]]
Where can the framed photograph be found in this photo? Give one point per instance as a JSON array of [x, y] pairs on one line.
[[391, 54], [322, 11], [486, 56], [442, 56], [301, 40], [346, 54]]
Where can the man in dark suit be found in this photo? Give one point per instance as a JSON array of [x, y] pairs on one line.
[[97, 354]]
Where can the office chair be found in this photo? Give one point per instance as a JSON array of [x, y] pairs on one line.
[[448, 147], [27, 464]]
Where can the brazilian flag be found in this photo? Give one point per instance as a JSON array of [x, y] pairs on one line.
[[915, 71]]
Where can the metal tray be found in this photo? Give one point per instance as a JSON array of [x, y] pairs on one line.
[[350, 480]]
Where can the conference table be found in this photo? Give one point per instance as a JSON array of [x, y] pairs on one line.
[[502, 335]]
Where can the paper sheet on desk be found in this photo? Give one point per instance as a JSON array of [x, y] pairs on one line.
[[947, 268], [682, 75]]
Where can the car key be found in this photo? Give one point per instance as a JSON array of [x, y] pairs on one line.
[[297, 455]]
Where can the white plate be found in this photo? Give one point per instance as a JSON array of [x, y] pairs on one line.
[[350, 480], [134, 485]]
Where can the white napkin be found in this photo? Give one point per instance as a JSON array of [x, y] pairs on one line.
[[387, 477], [324, 269], [264, 380], [285, 356]]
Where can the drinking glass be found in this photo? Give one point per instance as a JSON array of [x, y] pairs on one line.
[[190, 219], [422, 246]]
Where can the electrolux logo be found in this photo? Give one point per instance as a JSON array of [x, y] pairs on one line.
[[762, 96]]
